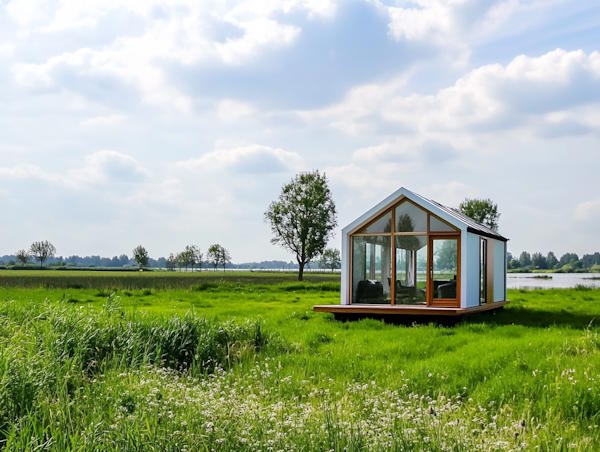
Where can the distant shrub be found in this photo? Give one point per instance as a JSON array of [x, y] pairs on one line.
[[204, 285], [581, 287], [103, 293], [303, 286], [319, 339]]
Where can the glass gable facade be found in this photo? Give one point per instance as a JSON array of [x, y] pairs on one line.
[[405, 256]]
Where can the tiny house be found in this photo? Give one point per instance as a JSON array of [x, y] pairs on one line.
[[413, 256]]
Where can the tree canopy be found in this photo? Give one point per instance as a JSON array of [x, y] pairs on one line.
[[483, 211], [42, 250], [303, 217], [140, 255], [330, 258], [22, 256], [218, 255]]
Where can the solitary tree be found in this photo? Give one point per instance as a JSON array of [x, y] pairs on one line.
[[22, 257], [171, 262], [214, 255], [303, 217], [225, 256], [483, 211], [330, 259], [140, 255], [42, 251]]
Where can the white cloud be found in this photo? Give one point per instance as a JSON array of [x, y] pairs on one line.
[[231, 110], [251, 159], [109, 167], [360, 106], [587, 211], [257, 33], [29, 172], [104, 120], [459, 23], [176, 32], [530, 92], [6, 49], [452, 193], [427, 19], [104, 168]]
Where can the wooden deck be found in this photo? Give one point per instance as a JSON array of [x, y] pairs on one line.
[[404, 310]]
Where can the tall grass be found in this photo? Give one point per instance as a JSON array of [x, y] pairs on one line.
[[238, 366], [67, 279], [51, 350]]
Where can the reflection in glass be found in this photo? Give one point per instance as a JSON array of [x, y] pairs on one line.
[[371, 269], [436, 225], [445, 268], [410, 218], [382, 224], [411, 269]]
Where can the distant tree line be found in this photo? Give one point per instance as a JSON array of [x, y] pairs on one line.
[[43, 254], [568, 262]]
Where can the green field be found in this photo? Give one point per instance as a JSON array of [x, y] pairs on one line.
[[241, 362], [90, 279]]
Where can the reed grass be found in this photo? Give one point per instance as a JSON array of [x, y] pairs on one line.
[[249, 366]]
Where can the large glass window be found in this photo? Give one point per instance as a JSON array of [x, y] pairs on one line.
[[414, 258], [411, 269], [410, 218], [436, 225], [445, 268], [371, 269], [381, 224]]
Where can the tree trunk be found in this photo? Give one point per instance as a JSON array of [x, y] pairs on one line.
[[300, 271]]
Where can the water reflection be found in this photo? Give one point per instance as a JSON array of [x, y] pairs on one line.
[[552, 280]]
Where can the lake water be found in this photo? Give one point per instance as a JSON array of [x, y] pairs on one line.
[[558, 280]]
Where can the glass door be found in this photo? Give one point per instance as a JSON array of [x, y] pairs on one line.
[[444, 271]]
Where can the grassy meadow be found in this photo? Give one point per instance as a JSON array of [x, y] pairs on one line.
[[240, 361]]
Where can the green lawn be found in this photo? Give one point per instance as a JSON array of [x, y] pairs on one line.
[[243, 363]]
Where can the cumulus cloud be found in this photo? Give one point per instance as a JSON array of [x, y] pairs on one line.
[[6, 49], [179, 32], [103, 120], [452, 192], [28, 172], [233, 110], [538, 92], [456, 24], [587, 211], [109, 166], [104, 167], [251, 159]]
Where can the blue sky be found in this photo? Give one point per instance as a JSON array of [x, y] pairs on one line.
[[170, 122]]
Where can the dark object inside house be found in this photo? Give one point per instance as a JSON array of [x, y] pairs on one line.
[[446, 289], [369, 291]]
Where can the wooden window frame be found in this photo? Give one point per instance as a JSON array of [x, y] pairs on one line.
[[393, 234]]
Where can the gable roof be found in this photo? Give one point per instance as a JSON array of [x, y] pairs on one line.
[[452, 216]]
